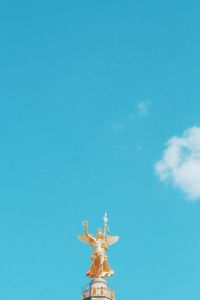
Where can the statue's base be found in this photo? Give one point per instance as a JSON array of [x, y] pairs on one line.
[[98, 289]]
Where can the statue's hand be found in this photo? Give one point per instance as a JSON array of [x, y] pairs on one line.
[[85, 224]]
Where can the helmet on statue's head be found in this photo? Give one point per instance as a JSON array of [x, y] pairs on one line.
[[99, 234]]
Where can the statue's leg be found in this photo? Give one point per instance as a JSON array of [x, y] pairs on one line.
[[101, 265]]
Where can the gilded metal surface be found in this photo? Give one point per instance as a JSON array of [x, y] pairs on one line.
[[99, 245]]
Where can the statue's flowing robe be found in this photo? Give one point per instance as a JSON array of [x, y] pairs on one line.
[[99, 266]]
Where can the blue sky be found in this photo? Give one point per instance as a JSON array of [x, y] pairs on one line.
[[99, 111]]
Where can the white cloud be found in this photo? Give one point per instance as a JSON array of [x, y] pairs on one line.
[[143, 108], [181, 163]]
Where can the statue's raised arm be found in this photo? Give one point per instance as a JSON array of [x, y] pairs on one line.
[[86, 237]]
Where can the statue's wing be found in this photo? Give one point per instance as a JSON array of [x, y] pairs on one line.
[[110, 240], [84, 238]]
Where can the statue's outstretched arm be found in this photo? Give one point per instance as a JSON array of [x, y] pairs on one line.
[[89, 236]]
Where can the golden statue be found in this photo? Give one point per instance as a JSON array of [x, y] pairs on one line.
[[99, 245]]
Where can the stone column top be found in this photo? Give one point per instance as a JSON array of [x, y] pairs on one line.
[[98, 283]]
